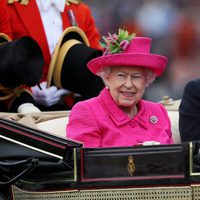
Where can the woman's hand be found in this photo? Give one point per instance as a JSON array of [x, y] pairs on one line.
[[147, 143]]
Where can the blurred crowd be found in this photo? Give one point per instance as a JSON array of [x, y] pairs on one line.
[[174, 27]]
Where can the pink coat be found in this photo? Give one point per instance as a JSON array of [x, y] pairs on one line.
[[99, 122]]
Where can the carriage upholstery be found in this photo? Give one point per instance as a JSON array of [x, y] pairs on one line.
[[172, 109]]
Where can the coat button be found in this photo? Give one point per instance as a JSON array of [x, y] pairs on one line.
[[132, 123]]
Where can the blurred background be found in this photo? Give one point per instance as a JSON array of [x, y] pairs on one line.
[[174, 26]]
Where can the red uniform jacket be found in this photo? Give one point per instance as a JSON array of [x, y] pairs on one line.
[[26, 20], [4, 19]]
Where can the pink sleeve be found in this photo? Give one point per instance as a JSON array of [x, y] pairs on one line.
[[82, 126]]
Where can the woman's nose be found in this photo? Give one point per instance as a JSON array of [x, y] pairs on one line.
[[128, 83]]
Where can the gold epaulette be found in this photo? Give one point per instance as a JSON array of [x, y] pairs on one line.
[[23, 2], [73, 1], [26, 2]]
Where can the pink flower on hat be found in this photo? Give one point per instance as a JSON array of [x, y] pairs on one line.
[[124, 44], [112, 38], [117, 43], [110, 41]]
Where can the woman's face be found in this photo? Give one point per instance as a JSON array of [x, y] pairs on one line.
[[126, 85]]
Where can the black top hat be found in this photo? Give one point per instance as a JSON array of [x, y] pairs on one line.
[[68, 67], [21, 62]]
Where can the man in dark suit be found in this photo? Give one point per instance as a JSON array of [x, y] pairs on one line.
[[189, 112]]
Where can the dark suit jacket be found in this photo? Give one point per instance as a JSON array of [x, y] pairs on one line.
[[189, 112]]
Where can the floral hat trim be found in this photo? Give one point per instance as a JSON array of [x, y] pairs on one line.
[[117, 43]]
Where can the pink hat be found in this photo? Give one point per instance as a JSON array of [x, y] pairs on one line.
[[134, 53]]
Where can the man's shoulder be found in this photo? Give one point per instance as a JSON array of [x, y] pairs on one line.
[[193, 84], [79, 5]]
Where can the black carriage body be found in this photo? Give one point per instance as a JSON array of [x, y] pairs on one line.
[[65, 166], [142, 165], [34, 159]]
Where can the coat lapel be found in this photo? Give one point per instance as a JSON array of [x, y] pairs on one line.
[[118, 117], [30, 16]]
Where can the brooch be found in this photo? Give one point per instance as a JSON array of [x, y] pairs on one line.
[[153, 119]]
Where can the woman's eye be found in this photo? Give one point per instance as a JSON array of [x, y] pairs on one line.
[[121, 75], [136, 76]]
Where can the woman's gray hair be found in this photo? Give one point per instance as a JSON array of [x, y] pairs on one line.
[[103, 73], [150, 75]]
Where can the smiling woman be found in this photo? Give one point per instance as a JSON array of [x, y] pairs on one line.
[[127, 86], [119, 116]]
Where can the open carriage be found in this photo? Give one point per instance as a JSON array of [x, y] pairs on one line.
[[48, 166]]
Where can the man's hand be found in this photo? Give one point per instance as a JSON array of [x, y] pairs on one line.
[[47, 96]]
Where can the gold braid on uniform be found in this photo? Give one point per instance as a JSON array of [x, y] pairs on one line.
[[7, 93], [68, 2], [26, 2], [23, 2]]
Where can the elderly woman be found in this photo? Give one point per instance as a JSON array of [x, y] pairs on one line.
[[119, 116]]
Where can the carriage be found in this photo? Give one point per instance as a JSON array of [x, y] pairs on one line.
[[42, 164]]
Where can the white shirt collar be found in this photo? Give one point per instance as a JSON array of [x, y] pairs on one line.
[[59, 4]]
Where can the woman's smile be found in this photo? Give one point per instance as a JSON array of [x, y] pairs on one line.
[[127, 94]]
